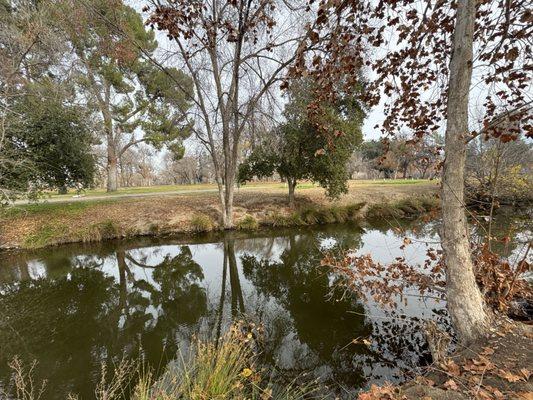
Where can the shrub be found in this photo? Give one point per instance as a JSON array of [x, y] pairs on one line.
[[201, 223]]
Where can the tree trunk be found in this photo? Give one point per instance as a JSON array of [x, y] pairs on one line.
[[228, 203], [112, 172], [292, 185], [464, 300]]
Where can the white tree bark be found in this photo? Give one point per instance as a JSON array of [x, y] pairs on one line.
[[465, 303]]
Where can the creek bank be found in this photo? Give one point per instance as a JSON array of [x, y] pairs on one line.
[[41, 225], [498, 368]]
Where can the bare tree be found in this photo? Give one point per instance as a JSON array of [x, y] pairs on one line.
[[236, 52]]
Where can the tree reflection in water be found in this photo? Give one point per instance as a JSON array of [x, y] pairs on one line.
[[74, 307]]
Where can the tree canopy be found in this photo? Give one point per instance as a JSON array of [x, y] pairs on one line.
[[295, 150], [136, 99], [48, 142]]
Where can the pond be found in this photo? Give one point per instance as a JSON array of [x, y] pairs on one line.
[[74, 307]]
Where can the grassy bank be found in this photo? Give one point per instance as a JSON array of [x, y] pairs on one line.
[[45, 224]]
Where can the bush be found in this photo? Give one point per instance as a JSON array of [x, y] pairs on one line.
[[247, 223], [201, 223]]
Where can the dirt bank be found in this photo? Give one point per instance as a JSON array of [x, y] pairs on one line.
[[39, 225], [497, 368]]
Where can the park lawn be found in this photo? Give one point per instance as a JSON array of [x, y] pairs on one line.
[[94, 219], [141, 190]]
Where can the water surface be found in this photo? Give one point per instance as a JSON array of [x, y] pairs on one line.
[[74, 307]]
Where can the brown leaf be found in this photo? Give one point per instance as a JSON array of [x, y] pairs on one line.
[[451, 385], [451, 367], [508, 375]]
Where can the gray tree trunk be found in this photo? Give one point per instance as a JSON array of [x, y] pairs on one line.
[[465, 303], [292, 185], [112, 169]]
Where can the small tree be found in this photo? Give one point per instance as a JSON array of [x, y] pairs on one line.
[[296, 149], [237, 53]]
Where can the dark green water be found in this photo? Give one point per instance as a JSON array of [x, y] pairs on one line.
[[74, 307]]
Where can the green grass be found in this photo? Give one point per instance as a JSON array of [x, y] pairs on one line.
[[169, 188], [65, 208], [209, 186], [395, 181], [45, 235]]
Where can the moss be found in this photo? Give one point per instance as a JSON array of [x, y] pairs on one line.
[[201, 223], [247, 223]]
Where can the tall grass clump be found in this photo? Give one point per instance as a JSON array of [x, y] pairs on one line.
[[247, 223], [45, 235], [406, 208], [224, 369], [201, 223]]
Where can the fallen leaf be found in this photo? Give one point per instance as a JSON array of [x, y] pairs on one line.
[[451, 385], [451, 367], [508, 376]]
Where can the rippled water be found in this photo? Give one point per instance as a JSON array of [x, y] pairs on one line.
[[72, 308]]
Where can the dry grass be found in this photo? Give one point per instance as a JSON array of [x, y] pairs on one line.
[[221, 369], [92, 220]]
